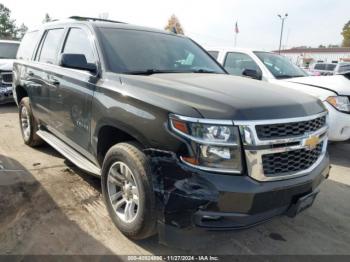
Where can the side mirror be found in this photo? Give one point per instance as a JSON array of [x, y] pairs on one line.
[[251, 73], [77, 61]]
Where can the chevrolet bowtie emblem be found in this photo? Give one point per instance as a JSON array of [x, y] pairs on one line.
[[312, 142]]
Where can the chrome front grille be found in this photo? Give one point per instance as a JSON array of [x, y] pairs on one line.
[[292, 129], [284, 148], [290, 161]]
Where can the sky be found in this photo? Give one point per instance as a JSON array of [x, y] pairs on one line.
[[210, 23]]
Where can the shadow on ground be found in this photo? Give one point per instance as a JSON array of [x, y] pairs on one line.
[[33, 221]]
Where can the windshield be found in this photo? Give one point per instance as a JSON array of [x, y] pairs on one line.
[[280, 66], [144, 52], [8, 50]]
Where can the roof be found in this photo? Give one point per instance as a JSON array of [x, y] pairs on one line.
[[102, 23], [229, 49], [317, 50]]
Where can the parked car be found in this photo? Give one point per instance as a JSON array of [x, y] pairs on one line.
[[179, 144], [323, 69], [342, 68], [8, 51], [334, 91]]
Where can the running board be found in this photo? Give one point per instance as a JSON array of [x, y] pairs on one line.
[[73, 156]]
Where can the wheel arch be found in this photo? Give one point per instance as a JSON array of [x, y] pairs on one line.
[[107, 134], [19, 93]]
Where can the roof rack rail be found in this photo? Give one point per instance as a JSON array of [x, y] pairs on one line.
[[83, 18]]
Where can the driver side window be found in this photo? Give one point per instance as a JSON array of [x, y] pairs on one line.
[[237, 63], [77, 42]]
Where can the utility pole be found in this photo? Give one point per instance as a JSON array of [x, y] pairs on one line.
[[282, 20], [236, 33]]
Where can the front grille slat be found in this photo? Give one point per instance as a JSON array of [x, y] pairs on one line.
[[290, 161], [287, 130]]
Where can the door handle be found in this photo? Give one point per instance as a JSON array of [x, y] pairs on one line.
[[30, 73]]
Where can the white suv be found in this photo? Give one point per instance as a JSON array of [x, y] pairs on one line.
[[334, 90], [8, 51]]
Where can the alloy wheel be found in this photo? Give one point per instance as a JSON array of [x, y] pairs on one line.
[[123, 192]]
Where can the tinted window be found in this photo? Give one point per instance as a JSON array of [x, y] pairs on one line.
[[78, 43], [236, 63], [279, 66], [214, 54], [344, 68], [8, 50], [50, 46], [28, 44], [330, 67], [320, 67], [132, 51]]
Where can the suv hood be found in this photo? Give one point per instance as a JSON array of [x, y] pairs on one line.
[[336, 83], [6, 64], [220, 96]]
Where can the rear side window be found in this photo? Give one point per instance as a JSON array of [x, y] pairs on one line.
[[214, 54], [49, 48], [320, 67], [344, 68], [27, 46], [236, 63], [330, 67], [78, 43]]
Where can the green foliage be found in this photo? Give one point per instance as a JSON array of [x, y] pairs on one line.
[[346, 34], [8, 28], [21, 31], [7, 25]]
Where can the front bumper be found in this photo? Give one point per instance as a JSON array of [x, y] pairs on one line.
[[189, 199], [6, 94], [339, 124]]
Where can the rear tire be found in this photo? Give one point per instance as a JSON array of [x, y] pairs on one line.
[[28, 124], [128, 191]]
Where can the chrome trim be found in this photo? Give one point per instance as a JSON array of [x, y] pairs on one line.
[[279, 121], [202, 120], [211, 169], [254, 157]]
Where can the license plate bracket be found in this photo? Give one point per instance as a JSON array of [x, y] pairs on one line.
[[302, 203]]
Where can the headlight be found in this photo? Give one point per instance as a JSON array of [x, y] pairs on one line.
[[341, 103], [215, 144]]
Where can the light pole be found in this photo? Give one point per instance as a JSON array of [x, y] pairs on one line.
[[282, 19]]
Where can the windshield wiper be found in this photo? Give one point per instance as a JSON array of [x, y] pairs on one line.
[[158, 71], [288, 76], [205, 71], [152, 71]]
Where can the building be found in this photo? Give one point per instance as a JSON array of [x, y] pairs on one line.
[[305, 56]]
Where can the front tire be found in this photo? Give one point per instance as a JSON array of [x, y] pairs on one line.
[[28, 124], [128, 192]]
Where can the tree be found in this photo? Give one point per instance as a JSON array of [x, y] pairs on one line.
[[21, 31], [7, 25], [47, 18], [174, 25], [346, 34]]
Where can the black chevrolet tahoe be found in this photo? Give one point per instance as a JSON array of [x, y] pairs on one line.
[[180, 145]]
